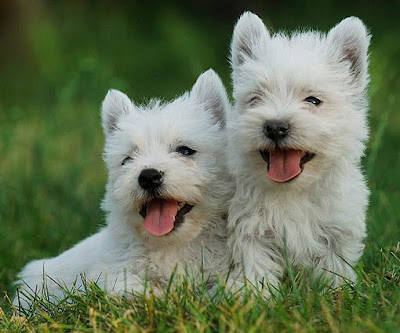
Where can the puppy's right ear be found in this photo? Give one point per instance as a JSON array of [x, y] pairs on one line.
[[249, 33], [115, 105]]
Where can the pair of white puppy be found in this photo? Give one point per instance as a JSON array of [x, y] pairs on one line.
[[283, 164]]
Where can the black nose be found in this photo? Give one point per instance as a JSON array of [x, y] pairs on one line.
[[150, 179], [276, 129]]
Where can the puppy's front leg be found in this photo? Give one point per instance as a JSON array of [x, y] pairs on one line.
[[127, 284], [257, 260], [336, 265]]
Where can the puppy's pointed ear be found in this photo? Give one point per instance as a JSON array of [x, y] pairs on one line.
[[349, 41], [249, 33], [115, 105], [210, 92]]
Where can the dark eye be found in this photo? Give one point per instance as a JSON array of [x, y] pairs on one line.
[[186, 151], [254, 100], [126, 159], [313, 100]]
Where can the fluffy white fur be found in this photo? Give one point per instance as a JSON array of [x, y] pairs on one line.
[[319, 217], [122, 255]]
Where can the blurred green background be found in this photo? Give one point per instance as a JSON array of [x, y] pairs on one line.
[[59, 58]]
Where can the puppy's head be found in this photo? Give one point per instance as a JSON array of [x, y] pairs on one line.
[[165, 160], [300, 99]]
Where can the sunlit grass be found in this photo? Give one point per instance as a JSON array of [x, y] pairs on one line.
[[373, 304]]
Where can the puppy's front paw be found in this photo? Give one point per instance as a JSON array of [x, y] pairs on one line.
[[243, 287], [335, 272]]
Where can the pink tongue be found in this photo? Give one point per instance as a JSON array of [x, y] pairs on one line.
[[284, 164], [160, 216]]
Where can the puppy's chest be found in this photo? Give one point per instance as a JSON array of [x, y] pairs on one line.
[[191, 260], [163, 263], [302, 233]]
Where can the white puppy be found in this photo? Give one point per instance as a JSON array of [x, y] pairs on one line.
[[166, 194], [296, 137]]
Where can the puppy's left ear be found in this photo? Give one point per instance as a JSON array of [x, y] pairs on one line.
[[210, 92], [349, 41]]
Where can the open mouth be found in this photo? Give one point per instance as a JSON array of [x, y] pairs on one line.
[[285, 165], [161, 216]]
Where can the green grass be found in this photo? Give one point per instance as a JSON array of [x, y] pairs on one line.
[[299, 305], [55, 72]]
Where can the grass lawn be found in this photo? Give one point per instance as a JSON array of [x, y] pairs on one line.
[[59, 63]]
